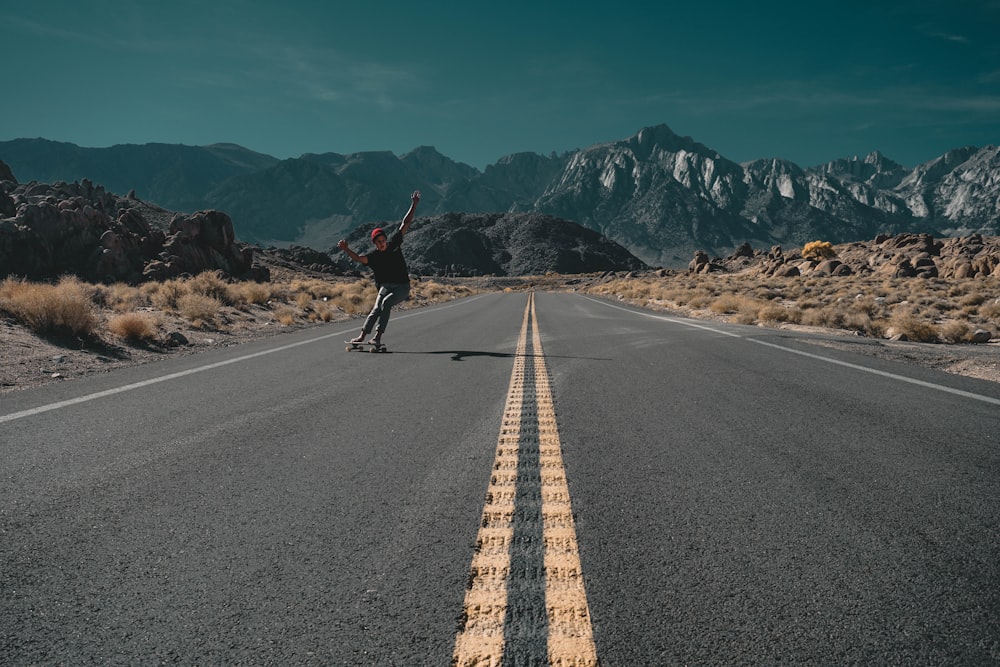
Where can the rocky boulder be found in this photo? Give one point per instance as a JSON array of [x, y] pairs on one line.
[[7, 182], [6, 174], [898, 256], [81, 229], [202, 241]]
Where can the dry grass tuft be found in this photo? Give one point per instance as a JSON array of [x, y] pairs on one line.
[[61, 309], [990, 312], [285, 315], [254, 293], [213, 285], [165, 295], [139, 313], [119, 297], [927, 310], [198, 307], [910, 323], [134, 327], [304, 300]]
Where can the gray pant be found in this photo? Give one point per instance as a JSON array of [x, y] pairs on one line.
[[389, 294]]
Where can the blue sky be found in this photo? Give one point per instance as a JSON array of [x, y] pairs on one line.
[[808, 82]]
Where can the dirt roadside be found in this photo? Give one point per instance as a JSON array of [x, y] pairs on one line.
[[26, 360]]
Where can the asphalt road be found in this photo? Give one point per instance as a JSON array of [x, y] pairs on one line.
[[739, 497]]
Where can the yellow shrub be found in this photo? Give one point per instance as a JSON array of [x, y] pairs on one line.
[[285, 315], [817, 250], [955, 331], [744, 306], [914, 327], [134, 326], [256, 293], [165, 295], [304, 300], [64, 308], [119, 297], [198, 307], [212, 284], [991, 311]]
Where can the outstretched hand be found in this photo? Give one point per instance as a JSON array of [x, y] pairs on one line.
[[342, 244], [415, 197]]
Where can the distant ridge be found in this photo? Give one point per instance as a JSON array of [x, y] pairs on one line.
[[660, 195]]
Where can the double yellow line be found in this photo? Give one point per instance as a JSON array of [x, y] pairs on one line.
[[526, 602]]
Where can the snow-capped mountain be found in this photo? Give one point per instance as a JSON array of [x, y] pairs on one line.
[[661, 195]]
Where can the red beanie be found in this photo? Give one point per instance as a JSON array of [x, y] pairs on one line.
[[376, 233]]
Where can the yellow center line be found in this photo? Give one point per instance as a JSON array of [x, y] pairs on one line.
[[526, 594]]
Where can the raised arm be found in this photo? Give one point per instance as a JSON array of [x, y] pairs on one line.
[[350, 253], [408, 218]]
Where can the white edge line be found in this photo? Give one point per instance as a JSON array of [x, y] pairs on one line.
[[819, 357], [173, 376]]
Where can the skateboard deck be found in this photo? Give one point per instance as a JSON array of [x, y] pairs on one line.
[[375, 347]]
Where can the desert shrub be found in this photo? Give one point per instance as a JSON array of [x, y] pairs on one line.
[[991, 311], [212, 284], [285, 315], [809, 303], [972, 300], [955, 331], [64, 308], [198, 307], [700, 300], [866, 304], [315, 288], [323, 312], [304, 300], [165, 295], [355, 297], [255, 293], [119, 297], [837, 317], [772, 314], [430, 290], [817, 250], [734, 303], [134, 326], [913, 326]]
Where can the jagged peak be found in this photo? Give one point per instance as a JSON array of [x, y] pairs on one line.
[[953, 157], [656, 134], [775, 164], [881, 161], [649, 139], [661, 136], [874, 169], [426, 151]]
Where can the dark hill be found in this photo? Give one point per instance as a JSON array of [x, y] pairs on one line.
[[174, 176], [502, 244]]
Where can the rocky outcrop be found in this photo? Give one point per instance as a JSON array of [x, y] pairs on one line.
[[202, 241], [501, 244], [81, 229], [7, 182], [898, 256]]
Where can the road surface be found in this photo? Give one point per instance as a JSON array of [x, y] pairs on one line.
[[522, 479]]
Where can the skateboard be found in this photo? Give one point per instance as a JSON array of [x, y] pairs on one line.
[[375, 347]]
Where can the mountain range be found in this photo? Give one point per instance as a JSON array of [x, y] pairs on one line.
[[660, 195]]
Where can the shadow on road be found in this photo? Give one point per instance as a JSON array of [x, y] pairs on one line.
[[462, 355]]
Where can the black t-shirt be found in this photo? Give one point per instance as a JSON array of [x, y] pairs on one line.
[[389, 265]]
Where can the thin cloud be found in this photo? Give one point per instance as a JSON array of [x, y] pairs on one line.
[[948, 37], [44, 30], [329, 76], [803, 95]]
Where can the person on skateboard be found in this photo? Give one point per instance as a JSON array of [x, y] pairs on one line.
[[392, 278]]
